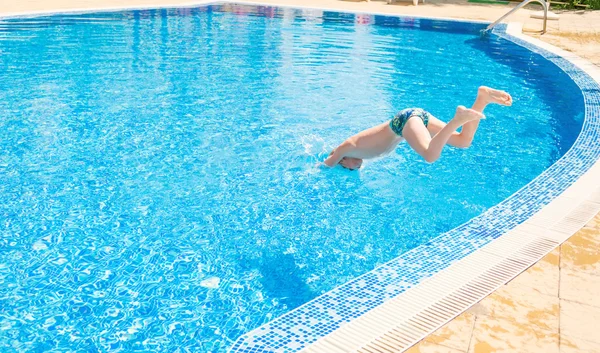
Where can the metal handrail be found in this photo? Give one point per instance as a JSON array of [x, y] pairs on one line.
[[526, 2]]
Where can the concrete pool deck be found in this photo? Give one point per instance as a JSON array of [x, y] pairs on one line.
[[552, 307]]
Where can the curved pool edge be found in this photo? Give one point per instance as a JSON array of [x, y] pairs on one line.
[[402, 301]]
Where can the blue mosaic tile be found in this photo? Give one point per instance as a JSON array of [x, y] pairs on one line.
[[321, 316]]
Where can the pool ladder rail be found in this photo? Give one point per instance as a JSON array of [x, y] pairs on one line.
[[544, 4]]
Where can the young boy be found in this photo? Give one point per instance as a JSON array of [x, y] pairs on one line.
[[426, 134]]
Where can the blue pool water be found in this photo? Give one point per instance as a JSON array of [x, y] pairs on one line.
[[158, 188]]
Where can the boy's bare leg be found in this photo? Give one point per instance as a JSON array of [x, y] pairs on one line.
[[430, 148], [485, 96]]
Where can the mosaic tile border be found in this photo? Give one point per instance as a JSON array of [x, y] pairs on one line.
[[304, 325]]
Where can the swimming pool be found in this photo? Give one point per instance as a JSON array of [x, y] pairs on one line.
[[158, 181]]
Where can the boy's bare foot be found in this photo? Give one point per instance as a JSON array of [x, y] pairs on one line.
[[464, 115], [491, 95]]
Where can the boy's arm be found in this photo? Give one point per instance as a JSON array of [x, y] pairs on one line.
[[333, 159], [336, 155]]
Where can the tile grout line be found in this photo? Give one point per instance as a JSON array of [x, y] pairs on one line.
[[472, 333], [580, 303], [439, 344], [559, 301]]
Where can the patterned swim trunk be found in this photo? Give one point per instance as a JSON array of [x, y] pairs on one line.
[[398, 122]]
